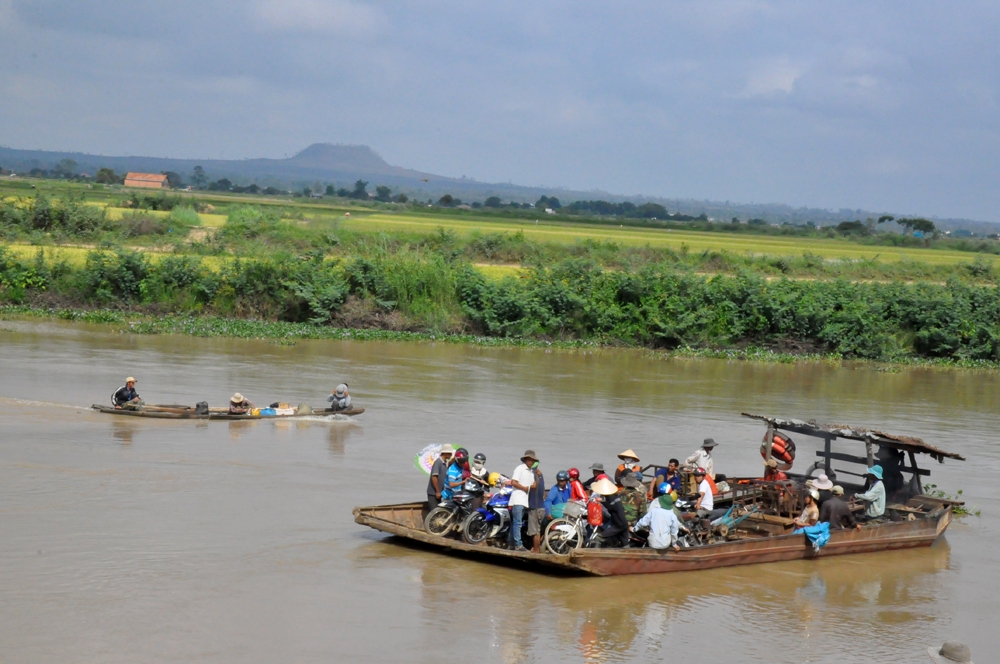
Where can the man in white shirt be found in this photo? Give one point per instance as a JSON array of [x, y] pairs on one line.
[[662, 523], [706, 501], [522, 480], [703, 458]]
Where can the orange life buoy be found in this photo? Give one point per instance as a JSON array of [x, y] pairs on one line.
[[782, 449]]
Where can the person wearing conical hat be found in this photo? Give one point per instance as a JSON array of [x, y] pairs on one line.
[[239, 405], [615, 532], [629, 464], [703, 458]]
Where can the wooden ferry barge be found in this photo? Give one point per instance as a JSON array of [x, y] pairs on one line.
[[912, 518], [177, 412]]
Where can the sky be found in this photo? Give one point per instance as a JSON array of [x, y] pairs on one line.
[[886, 106]]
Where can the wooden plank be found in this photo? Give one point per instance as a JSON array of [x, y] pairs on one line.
[[838, 456]]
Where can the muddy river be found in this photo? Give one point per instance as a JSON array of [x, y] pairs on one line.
[[126, 540]]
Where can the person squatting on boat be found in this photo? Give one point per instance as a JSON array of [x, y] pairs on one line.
[[340, 398], [125, 397], [240, 405], [874, 496], [662, 522]]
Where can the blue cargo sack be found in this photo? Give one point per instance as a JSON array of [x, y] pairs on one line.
[[267, 412], [557, 510]]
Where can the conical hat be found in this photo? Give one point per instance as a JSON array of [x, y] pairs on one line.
[[604, 487], [630, 454]]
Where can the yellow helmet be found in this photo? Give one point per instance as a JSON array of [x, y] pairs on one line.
[[493, 479]]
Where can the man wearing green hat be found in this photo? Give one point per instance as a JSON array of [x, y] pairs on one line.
[[874, 497]]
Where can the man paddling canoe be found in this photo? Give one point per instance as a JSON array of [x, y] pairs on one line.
[[125, 397]]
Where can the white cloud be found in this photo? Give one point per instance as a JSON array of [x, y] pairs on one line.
[[772, 77], [319, 16]]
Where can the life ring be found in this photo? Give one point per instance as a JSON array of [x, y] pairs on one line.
[[782, 450]]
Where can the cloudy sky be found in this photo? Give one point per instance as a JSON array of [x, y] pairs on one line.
[[878, 105]]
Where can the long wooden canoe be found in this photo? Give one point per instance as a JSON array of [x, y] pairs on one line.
[[776, 544], [175, 412]]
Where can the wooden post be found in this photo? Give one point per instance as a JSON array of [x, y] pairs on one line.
[[871, 455], [916, 475], [827, 440]]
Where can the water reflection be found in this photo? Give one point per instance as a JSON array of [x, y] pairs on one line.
[[888, 596], [123, 430]]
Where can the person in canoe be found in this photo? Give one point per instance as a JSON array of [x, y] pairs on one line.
[[240, 405], [125, 397], [340, 399]]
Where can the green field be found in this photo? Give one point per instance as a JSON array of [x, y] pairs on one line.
[[695, 241]]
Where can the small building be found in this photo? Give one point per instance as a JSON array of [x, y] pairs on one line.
[[147, 181]]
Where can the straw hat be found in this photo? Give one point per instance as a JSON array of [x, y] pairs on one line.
[[822, 483], [237, 398], [129, 380], [628, 454], [604, 487], [951, 652]]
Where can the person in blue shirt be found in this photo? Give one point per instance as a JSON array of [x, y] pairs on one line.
[[455, 476], [558, 495]]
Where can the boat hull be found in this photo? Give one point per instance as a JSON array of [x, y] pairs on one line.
[[189, 413], [406, 520]]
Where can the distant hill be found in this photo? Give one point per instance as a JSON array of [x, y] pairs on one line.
[[341, 165]]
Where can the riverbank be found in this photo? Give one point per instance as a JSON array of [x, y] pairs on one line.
[[286, 333]]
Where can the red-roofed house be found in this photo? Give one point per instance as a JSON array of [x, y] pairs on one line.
[[147, 181]]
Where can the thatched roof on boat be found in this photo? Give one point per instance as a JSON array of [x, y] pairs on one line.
[[814, 428]]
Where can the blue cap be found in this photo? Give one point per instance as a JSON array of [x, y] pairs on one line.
[[876, 471]]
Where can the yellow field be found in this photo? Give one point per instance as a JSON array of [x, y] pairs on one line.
[[694, 240], [77, 256], [212, 220]]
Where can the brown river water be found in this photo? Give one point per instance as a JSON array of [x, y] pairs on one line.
[[125, 540]]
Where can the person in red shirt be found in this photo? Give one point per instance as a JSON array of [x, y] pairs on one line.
[[771, 472], [576, 490]]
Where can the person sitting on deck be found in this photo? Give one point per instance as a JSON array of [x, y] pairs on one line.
[[703, 458], [874, 497], [577, 490], [598, 470], [771, 472], [240, 405], [663, 524], [558, 496], [837, 512], [810, 513], [633, 496], [670, 475], [340, 399], [629, 464], [614, 533], [125, 397]]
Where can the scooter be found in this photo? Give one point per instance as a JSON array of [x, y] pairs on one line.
[[489, 522], [451, 514]]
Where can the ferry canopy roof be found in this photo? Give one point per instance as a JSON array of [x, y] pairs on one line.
[[814, 428]]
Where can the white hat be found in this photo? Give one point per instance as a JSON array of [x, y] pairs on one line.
[[341, 390], [822, 483], [447, 449], [130, 380], [237, 398]]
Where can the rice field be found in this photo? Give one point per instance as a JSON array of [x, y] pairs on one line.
[[694, 241]]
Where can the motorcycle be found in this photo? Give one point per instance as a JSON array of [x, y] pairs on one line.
[[489, 522], [451, 513], [570, 532]]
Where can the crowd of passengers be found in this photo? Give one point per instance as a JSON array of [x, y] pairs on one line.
[[620, 503]]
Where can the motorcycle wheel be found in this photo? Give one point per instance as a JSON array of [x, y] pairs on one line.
[[560, 543], [476, 529], [439, 521]]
